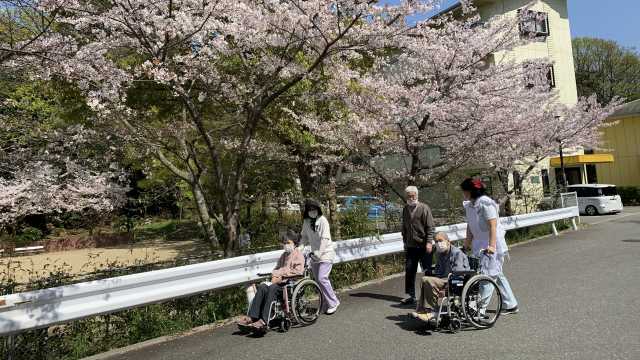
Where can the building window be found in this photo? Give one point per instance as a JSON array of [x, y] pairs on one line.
[[534, 24], [551, 76], [539, 74]]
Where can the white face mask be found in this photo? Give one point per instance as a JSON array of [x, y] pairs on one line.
[[288, 248], [442, 246], [313, 214]]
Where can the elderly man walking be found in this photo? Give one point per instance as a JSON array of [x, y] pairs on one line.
[[417, 235]]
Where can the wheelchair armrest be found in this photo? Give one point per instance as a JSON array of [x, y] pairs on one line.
[[463, 273], [293, 277]]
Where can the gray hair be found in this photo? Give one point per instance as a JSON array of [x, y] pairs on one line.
[[443, 235], [411, 189]]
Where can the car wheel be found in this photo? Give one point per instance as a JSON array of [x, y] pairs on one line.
[[591, 210]]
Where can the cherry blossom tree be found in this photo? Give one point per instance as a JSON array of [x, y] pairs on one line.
[[183, 79], [449, 97], [48, 173], [44, 189], [27, 29], [556, 127]]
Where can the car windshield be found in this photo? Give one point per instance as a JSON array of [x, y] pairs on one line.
[[609, 191]]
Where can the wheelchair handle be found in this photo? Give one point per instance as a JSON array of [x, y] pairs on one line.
[[263, 274]]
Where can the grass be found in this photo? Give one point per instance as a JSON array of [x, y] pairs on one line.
[[169, 230]]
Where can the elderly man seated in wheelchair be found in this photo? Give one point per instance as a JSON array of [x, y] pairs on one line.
[[290, 264], [450, 259]]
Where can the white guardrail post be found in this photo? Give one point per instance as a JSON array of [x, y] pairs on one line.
[[46, 307]]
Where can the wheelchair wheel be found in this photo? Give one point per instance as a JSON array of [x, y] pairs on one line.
[[481, 301], [285, 325], [306, 302]]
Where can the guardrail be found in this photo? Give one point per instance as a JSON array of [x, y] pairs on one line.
[[41, 308], [23, 250]]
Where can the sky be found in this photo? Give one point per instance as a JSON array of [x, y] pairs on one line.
[[617, 20]]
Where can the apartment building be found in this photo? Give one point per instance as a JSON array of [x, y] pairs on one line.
[[550, 30]]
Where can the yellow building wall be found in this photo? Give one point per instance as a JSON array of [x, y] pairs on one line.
[[623, 139], [557, 46]]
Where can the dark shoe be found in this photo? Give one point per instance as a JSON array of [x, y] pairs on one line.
[[245, 320], [408, 301], [259, 327], [511, 311]]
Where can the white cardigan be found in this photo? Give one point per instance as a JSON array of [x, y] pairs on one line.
[[319, 239]]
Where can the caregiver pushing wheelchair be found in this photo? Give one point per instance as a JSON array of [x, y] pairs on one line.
[[469, 292]]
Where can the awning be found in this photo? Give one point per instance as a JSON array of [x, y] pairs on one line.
[[582, 159]]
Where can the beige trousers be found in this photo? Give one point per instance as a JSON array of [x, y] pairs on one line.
[[431, 290]]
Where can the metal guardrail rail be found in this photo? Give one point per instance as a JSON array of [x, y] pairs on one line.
[[23, 250], [42, 308]]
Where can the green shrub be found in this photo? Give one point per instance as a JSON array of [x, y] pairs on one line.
[[70, 220], [355, 223], [630, 195], [28, 235]]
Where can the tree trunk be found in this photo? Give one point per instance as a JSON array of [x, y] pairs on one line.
[[334, 219], [231, 243], [306, 180], [264, 205], [203, 212], [505, 202]]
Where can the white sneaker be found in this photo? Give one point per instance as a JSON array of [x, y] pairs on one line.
[[332, 310]]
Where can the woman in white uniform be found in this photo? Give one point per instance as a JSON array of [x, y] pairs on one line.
[[485, 238], [317, 235]]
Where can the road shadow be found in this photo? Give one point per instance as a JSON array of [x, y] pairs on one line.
[[630, 222], [406, 322], [390, 298], [631, 240]]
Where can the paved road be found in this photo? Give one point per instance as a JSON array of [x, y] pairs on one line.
[[579, 295], [628, 211]]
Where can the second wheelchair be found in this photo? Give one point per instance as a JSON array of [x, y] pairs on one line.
[[299, 305], [471, 299]]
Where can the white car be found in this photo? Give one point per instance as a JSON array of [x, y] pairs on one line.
[[594, 199]]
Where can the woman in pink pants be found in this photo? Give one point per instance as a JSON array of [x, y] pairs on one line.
[[317, 235]]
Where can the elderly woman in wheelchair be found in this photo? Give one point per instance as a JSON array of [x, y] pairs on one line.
[[457, 293], [291, 295]]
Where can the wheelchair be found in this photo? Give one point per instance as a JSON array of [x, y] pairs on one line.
[[471, 299], [300, 304]]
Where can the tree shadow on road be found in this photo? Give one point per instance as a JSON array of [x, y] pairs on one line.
[[390, 298], [406, 322]]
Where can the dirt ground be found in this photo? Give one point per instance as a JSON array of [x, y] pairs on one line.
[[26, 267]]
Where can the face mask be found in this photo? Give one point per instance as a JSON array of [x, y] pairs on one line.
[[288, 248], [313, 214], [441, 247]]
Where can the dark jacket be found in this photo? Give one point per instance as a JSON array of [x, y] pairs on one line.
[[454, 260], [417, 225]]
